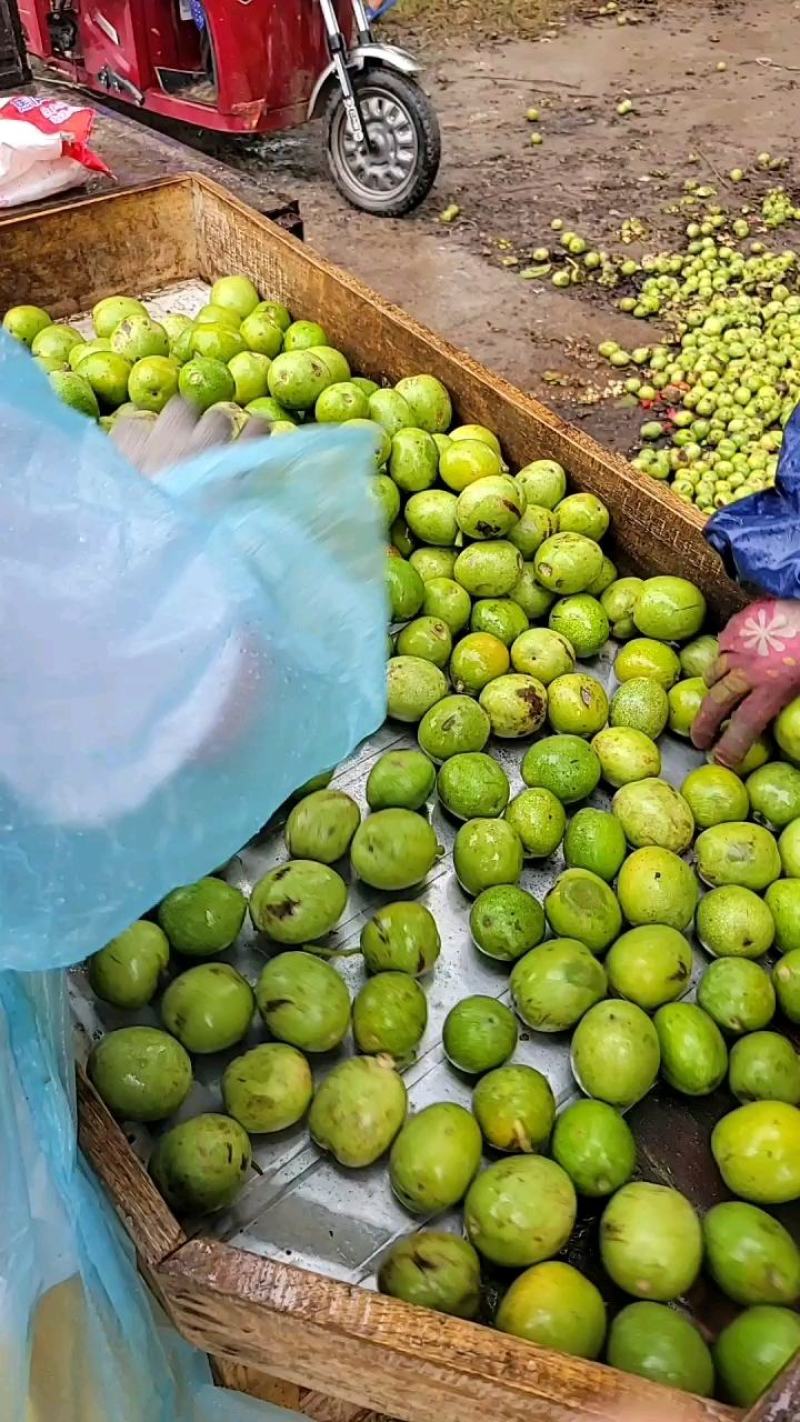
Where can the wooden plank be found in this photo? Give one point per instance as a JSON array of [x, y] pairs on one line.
[[313, 1405], [145, 1215], [782, 1402], [256, 1384], [76, 252], [391, 1357]]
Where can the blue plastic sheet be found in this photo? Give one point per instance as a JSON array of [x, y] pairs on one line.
[[377, 12], [758, 537], [177, 656]]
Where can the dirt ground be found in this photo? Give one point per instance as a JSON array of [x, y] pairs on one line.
[[486, 62]]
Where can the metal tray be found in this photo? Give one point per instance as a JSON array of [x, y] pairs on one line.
[[299, 1204]]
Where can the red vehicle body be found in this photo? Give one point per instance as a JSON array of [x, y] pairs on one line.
[[254, 69]]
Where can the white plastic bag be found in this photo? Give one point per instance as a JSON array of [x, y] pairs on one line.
[[44, 148]]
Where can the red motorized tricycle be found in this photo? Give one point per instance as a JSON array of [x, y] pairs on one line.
[[257, 66]]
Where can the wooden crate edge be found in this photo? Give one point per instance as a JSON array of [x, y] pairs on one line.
[[147, 1219], [391, 1357]]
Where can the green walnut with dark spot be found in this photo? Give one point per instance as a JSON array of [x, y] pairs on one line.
[[202, 1164], [520, 1211], [751, 1255], [738, 994], [539, 819], [400, 779], [401, 937], [455, 725], [596, 1147], [304, 1002], [128, 970], [394, 849], [650, 965], [479, 1033], [473, 785], [741, 853], [694, 1058], [413, 686], [486, 852], [652, 812], [556, 983], [268, 1088], [582, 905], [651, 1242], [765, 1067], [321, 826], [515, 1109], [565, 765], [615, 1053], [298, 902], [390, 1014], [505, 922], [208, 1008], [433, 1270]]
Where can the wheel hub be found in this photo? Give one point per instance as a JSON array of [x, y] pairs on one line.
[[389, 159]]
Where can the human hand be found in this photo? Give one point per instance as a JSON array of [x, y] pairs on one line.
[[179, 433], [755, 676]]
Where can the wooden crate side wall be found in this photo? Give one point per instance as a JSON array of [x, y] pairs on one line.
[[71, 256], [406, 1362]]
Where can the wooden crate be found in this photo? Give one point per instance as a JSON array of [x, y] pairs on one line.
[[260, 1319]]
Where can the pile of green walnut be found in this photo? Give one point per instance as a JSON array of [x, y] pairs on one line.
[[238, 354], [719, 387], [497, 585]]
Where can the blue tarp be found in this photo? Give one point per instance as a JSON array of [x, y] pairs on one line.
[[177, 656], [759, 537]]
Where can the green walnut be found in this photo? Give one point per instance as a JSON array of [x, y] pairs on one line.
[[304, 1002], [358, 1110], [141, 1073], [435, 1158]]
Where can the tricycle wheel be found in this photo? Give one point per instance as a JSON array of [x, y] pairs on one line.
[[397, 170]]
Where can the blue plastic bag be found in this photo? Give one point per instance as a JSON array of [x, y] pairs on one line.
[[177, 656], [758, 537], [377, 11]]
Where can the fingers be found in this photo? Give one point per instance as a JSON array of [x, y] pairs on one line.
[[152, 446], [214, 427], [746, 724], [179, 433], [718, 706], [130, 436], [718, 669], [255, 428]]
